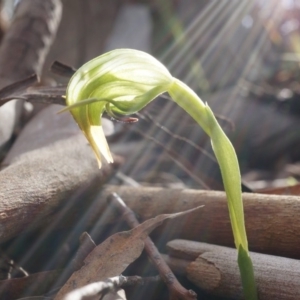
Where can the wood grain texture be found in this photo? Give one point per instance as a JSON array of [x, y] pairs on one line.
[[48, 163], [272, 222], [216, 271]]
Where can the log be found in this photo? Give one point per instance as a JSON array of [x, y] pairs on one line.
[[49, 162], [216, 271], [23, 52], [272, 221]]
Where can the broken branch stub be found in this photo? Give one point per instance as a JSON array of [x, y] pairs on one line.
[[215, 270]]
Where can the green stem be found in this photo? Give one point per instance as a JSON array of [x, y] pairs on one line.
[[227, 159]]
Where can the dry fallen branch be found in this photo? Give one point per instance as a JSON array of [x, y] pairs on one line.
[[33, 188], [48, 163], [272, 221], [216, 271], [34, 284], [176, 290], [15, 89], [22, 90]]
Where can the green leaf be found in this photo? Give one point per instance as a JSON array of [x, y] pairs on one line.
[[247, 274]]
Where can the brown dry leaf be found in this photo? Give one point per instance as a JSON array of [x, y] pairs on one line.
[[112, 257]]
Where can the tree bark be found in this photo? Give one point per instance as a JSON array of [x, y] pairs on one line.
[[216, 271], [272, 221], [49, 162]]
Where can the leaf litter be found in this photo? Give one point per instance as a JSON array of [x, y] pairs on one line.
[[114, 255]]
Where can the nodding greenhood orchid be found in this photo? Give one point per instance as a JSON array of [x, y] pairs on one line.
[[122, 82]]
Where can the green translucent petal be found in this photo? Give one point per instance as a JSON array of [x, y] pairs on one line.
[[139, 102], [120, 73], [95, 131], [88, 117], [127, 79]]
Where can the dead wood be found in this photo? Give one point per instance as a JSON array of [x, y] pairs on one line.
[[23, 51], [62, 69], [6, 94], [34, 284], [272, 221], [86, 246], [216, 271], [48, 163], [44, 95], [34, 187]]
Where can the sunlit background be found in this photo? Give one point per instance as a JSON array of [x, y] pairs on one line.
[[240, 56]]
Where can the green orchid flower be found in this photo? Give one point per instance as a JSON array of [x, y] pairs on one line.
[[122, 82]]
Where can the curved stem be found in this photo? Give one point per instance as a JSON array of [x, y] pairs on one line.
[[227, 159]]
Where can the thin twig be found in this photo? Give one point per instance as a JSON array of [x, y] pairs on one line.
[[62, 69], [87, 245], [23, 90], [177, 291], [36, 98], [16, 88], [43, 98], [53, 90]]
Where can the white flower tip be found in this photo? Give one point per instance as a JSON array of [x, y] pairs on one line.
[[100, 144]]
